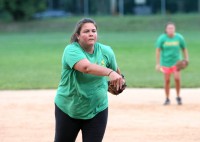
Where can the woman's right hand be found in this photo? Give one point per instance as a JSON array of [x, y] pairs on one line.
[[116, 80], [157, 67]]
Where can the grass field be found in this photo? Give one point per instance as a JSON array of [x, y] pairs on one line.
[[30, 53]]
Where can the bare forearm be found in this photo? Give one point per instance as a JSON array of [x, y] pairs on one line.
[[90, 68], [185, 54], [157, 56], [97, 70], [86, 67]]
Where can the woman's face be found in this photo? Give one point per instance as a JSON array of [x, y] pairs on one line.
[[170, 30], [88, 35]]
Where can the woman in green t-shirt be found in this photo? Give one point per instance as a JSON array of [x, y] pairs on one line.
[[168, 48], [81, 102]]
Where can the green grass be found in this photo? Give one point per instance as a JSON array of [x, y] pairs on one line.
[[106, 23], [31, 59], [136, 57]]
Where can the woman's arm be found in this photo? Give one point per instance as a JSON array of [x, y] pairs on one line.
[[185, 54], [157, 59], [86, 67]]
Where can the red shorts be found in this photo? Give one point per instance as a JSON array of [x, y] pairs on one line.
[[168, 70]]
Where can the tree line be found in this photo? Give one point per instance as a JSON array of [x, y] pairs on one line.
[[19, 10]]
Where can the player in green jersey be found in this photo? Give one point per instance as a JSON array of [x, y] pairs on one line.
[[81, 102], [168, 51]]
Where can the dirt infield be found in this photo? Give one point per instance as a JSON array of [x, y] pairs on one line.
[[137, 115]]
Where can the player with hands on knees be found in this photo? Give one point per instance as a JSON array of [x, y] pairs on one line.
[[81, 101]]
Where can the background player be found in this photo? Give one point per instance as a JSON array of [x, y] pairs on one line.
[[167, 54]]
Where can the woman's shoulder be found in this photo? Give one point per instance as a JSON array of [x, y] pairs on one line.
[[102, 46], [178, 35], [163, 35], [73, 45]]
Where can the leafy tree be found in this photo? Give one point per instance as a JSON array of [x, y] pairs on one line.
[[18, 10]]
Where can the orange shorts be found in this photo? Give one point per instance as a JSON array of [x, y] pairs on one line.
[[168, 70]]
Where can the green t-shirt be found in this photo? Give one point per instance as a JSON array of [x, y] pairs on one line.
[[82, 95], [170, 48]]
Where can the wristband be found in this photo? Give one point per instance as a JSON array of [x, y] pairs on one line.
[[110, 73]]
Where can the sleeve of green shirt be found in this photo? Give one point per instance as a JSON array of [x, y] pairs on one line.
[[182, 41], [73, 54], [159, 42], [113, 64], [111, 58]]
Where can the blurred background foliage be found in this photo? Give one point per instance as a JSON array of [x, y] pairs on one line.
[[19, 10], [23, 10]]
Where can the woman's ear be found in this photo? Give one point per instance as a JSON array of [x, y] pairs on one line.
[[77, 36]]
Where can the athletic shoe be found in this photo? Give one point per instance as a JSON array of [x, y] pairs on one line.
[[178, 99], [167, 102]]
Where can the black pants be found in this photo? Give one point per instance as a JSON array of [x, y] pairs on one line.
[[67, 128]]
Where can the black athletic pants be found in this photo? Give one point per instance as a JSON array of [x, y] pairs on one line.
[[67, 128]]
